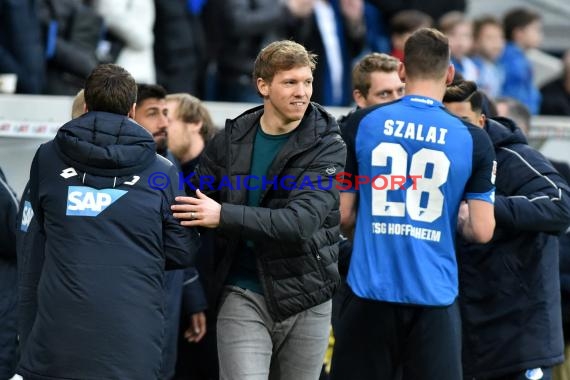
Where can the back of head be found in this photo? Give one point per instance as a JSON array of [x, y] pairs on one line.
[[427, 55], [281, 56], [191, 110], [464, 91], [110, 88], [147, 91], [369, 64], [518, 18]]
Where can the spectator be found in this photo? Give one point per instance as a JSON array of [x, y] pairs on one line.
[[8, 281], [336, 34], [556, 94], [277, 246], [516, 111], [130, 31], [523, 31], [510, 289], [21, 47], [180, 46], [101, 295], [247, 27], [72, 32], [396, 317], [182, 286], [489, 43], [433, 8], [403, 25], [459, 30]]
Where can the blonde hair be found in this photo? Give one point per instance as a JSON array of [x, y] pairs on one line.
[[191, 110], [78, 106]]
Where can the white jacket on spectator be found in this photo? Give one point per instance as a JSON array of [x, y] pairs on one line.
[[132, 21]]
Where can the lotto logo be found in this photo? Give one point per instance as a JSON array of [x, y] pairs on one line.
[[27, 215], [86, 201]]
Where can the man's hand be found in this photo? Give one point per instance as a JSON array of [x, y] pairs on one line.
[[197, 328], [197, 212]]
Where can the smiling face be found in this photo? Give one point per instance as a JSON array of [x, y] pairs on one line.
[[152, 114], [287, 96]]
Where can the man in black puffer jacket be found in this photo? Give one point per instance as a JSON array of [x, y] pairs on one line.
[[99, 198], [509, 287], [274, 203]]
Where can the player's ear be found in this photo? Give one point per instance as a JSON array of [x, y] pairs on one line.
[[450, 74], [359, 99], [402, 72], [131, 113]]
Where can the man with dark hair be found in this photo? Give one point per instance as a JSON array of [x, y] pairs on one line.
[[401, 314], [152, 114], [102, 218], [510, 289], [523, 31], [277, 233], [182, 287]]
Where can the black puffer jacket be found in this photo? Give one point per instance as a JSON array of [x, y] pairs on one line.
[[296, 233], [108, 237], [509, 287]]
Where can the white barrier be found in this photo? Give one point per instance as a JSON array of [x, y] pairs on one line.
[[26, 121]]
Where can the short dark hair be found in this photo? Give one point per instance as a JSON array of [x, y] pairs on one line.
[[281, 56], [369, 64], [110, 88], [464, 91], [518, 18], [408, 21], [147, 91], [426, 54]]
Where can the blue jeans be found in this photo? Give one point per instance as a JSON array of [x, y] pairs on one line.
[[252, 346]]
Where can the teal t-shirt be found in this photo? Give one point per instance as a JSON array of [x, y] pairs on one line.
[[265, 149]]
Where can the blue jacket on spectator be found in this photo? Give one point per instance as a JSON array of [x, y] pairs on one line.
[[509, 287], [21, 47], [518, 81]]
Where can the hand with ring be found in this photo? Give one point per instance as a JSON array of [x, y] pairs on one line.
[[187, 208]]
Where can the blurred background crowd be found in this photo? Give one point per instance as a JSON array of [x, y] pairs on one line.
[[207, 47]]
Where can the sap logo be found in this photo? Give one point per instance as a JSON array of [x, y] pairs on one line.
[[86, 201], [27, 216]]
